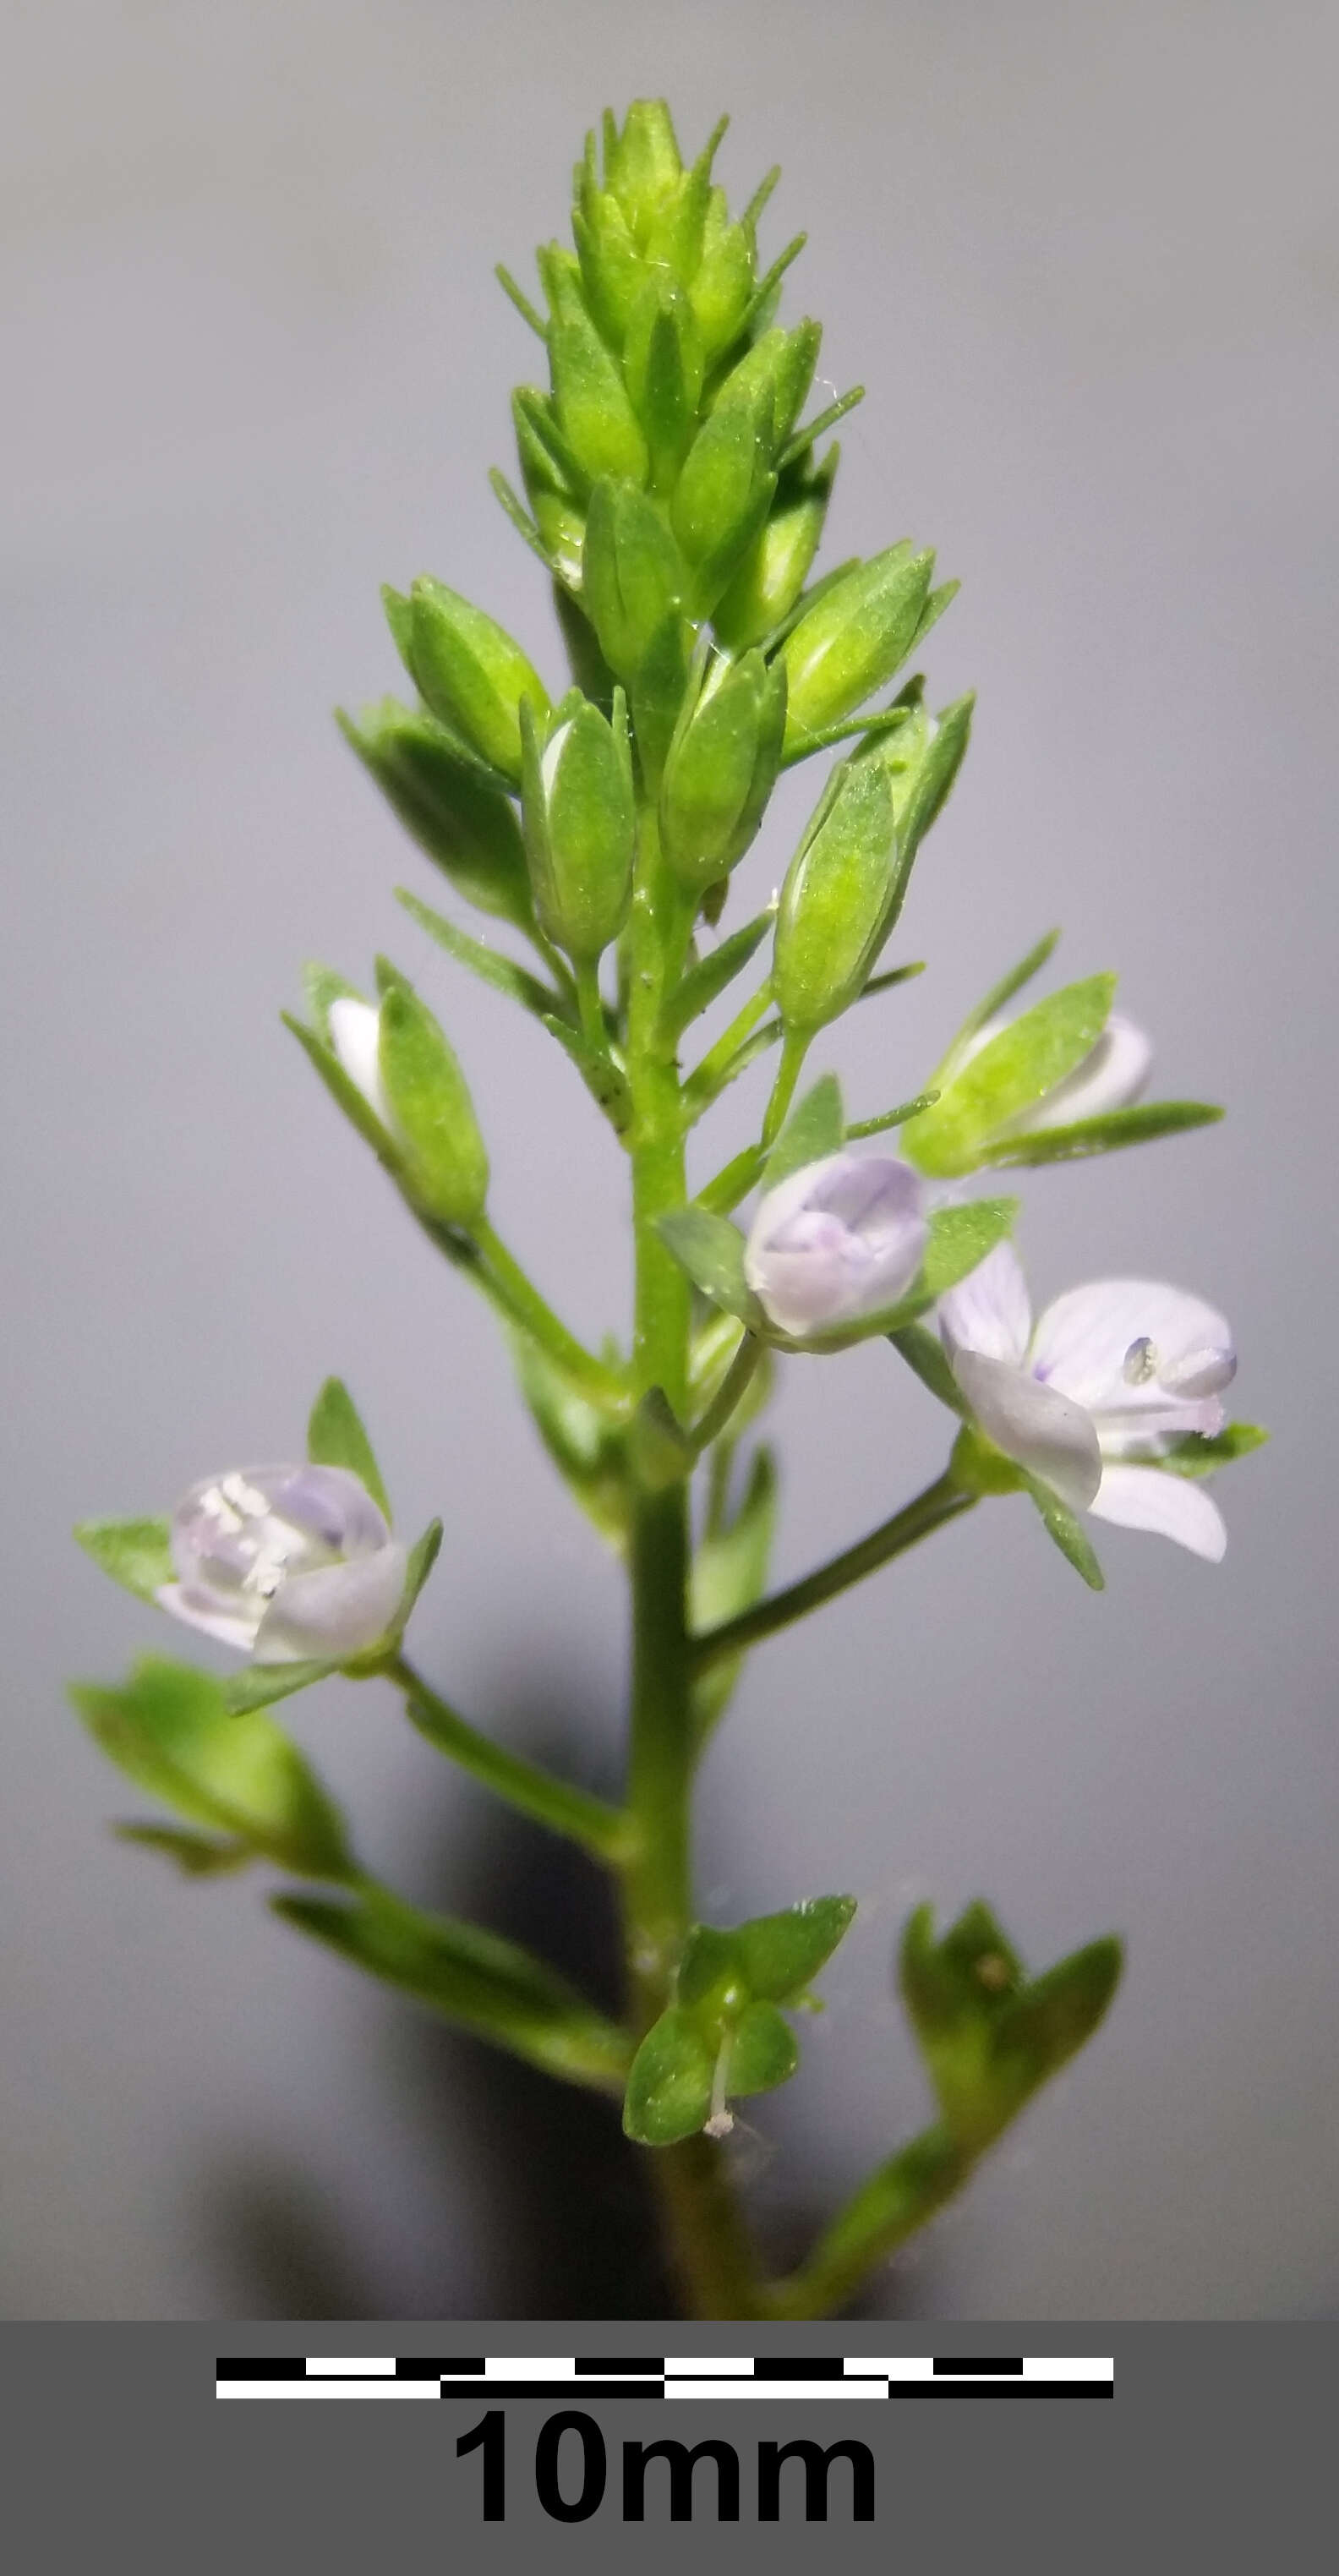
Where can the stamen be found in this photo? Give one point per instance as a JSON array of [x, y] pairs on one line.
[[1140, 1362]]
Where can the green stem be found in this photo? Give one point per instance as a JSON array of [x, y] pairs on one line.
[[703, 1082], [584, 1819], [521, 1300], [899, 2198], [590, 1005], [733, 1386], [794, 1049], [724, 1192], [943, 1501], [891, 1117]]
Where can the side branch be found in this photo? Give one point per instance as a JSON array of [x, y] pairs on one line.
[[941, 1502]]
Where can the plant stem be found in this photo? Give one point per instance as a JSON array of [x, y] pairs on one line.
[[705, 2232], [733, 1386], [523, 1302], [703, 1083], [942, 1501], [795, 1048], [590, 1821]]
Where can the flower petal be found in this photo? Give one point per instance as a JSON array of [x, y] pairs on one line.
[[1043, 1431], [199, 1610], [335, 1611], [1083, 1340], [840, 1238], [355, 1039], [1147, 1498], [989, 1311]]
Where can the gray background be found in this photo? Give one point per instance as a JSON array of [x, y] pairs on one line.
[[1088, 268]]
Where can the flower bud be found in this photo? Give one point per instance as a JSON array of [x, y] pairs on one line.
[[471, 673], [467, 828], [853, 638], [405, 1068], [839, 1239], [776, 567], [590, 398], [580, 828], [834, 903], [612, 272], [721, 769], [285, 1562], [722, 285], [642, 165], [632, 578], [780, 368], [724, 493], [662, 368]]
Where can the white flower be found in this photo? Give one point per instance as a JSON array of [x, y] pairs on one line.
[[1109, 1376], [285, 1562], [355, 1039], [1111, 1076], [840, 1239]]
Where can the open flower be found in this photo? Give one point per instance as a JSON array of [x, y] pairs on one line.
[[840, 1238], [1106, 1380], [285, 1562]]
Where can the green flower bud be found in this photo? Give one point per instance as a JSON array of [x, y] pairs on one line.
[[642, 165], [922, 760], [472, 674], [719, 291], [401, 1062], [724, 493], [612, 273], [580, 826], [854, 637], [721, 769], [776, 567], [465, 826], [662, 368], [779, 368], [632, 576], [834, 903], [590, 399]]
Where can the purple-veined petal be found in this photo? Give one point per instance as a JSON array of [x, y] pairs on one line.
[[1147, 1498], [839, 1239], [989, 1311], [1039, 1429], [1084, 1340], [337, 1611], [355, 1039]]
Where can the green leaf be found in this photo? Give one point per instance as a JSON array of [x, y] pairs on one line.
[[924, 1352], [336, 1438], [1194, 1456], [703, 982], [781, 1954], [729, 1571], [136, 1554], [763, 2051], [422, 1558], [1138, 1126], [172, 1732], [196, 1855], [1015, 1069], [711, 1250], [603, 1079], [504, 975], [669, 2086], [815, 1128], [1065, 1529], [489, 1985], [260, 1685]]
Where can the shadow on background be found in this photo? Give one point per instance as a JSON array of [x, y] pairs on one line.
[[559, 2199]]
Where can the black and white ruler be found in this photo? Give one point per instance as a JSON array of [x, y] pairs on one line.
[[503, 2376]]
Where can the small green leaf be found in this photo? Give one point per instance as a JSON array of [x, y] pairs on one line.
[[781, 1954], [1065, 1529], [491, 967], [669, 2086], [171, 1731], [1195, 1456], [260, 1685], [763, 2051], [711, 1250], [336, 1438], [136, 1554], [924, 1352], [815, 1128], [1015, 1069], [603, 1079], [1140, 1125], [711, 975], [710, 1972], [475, 1978], [422, 1558], [196, 1855]]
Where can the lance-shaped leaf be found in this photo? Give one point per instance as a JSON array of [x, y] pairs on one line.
[[925, 1354], [1197, 1456], [487, 963], [1065, 1529], [711, 1250], [171, 1730], [336, 1438], [1007, 1076], [709, 978], [604, 1080], [1139, 1125], [136, 1554], [488, 1985]]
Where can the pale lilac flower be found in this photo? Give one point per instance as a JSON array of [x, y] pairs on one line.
[[1110, 1076], [285, 1562], [1108, 1378], [355, 1040], [840, 1239]]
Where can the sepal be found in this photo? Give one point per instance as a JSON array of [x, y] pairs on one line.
[[723, 2036], [990, 2035]]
